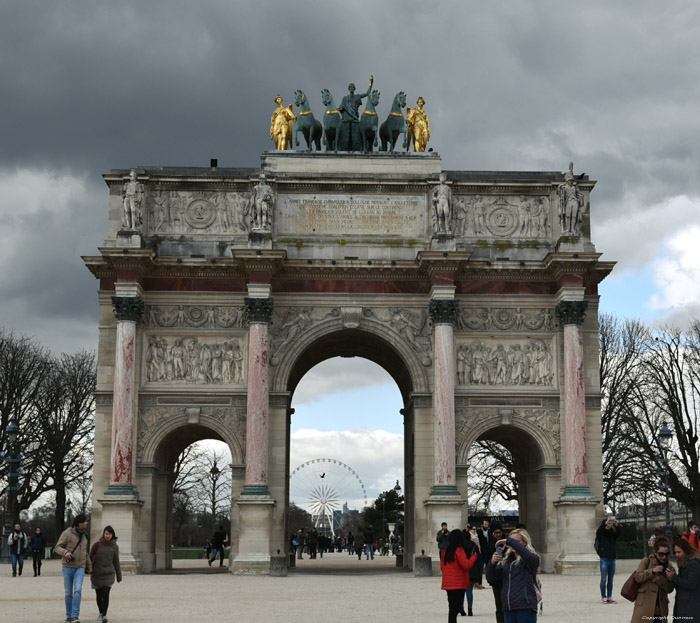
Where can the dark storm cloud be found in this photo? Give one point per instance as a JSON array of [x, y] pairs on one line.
[[87, 87]]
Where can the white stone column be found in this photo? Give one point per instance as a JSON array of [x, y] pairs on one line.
[[259, 313], [571, 315], [128, 310], [443, 313]]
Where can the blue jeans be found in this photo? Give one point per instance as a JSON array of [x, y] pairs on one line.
[[17, 558], [73, 586], [520, 616], [607, 571], [370, 551]]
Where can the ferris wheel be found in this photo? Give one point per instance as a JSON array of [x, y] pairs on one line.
[[321, 486]]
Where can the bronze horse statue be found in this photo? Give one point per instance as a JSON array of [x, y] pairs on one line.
[[369, 122], [395, 124], [331, 122], [306, 122]]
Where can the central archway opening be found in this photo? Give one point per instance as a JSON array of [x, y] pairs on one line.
[[350, 463]]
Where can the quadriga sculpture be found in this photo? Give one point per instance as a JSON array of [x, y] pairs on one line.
[[395, 124], [306, 122], [369, 122], [331, 122]]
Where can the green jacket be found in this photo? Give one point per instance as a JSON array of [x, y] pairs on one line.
[[105, 563]]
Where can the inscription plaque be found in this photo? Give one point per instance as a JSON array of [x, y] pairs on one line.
[[351, 215]]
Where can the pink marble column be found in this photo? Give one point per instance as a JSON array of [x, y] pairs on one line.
[[571, 315], [443, 313], [259, 311], [128, 311]]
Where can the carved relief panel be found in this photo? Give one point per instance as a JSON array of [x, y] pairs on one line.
[[505, 319], [523, 217], [197, 316], [188, 360], [172, 212], [506, 363], [154, 418], [545, 421]]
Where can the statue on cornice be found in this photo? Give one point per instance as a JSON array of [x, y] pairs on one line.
[[418, 126], [132, 199], [260, 205], [570, 204], [443, 209]]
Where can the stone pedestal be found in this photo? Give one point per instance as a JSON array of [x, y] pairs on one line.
[[128, 239], [447, 508], [123, 513], [577, 526], [255, 527]]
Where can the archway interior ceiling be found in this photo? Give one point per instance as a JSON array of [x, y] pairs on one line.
[[517, 442], [353, 343], [172, 446]]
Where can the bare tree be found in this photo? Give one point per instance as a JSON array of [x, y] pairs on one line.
[[492, 474], [61, 436]]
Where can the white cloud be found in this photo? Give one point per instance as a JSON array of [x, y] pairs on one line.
[[677, 273], [339, 374]]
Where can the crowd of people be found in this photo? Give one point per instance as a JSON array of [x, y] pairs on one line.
[[313, 544]]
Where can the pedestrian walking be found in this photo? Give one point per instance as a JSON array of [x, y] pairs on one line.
[[606, 537], [455, 566], [218, 546], [72, 547], [38, 545], [686, 607], [104, 557], [17, 544], [652, 594]]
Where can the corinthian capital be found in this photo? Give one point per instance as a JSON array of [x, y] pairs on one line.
[[571, 312], [443, 311], [258, 309], [128, 307]]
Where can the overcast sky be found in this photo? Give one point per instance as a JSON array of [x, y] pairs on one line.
[[86, 87]]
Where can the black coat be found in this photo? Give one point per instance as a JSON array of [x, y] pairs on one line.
[[687, 606], [608, 541]]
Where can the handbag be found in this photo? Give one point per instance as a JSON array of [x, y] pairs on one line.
[[630, 587]]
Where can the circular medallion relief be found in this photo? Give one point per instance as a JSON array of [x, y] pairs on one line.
[[502, 221], [200, 214]]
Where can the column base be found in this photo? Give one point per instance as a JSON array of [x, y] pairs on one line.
[[122, 490], [256, 490], [440, 491], [577, 492]]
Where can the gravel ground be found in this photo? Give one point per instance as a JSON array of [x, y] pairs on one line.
[[337, 588]]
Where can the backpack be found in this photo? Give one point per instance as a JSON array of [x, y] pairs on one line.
[[596, 546]]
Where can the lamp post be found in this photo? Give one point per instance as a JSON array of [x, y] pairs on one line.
[[664, 437], [12, 457], [214, 474], [383, 496]]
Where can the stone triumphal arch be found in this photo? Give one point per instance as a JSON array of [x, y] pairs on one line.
[[220, 288]]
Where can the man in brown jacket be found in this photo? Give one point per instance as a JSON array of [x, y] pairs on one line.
[[72, 547]]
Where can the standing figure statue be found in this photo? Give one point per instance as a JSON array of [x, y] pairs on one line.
[[418, 126], [442, 207], [570, 204], [350, 112], [281, 124], [132, 198], [260, 205]]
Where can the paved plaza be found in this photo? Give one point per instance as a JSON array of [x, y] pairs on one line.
[[337, 588]]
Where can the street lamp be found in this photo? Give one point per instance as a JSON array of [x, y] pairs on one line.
[[214, 474], [12, 458], [664, 438]]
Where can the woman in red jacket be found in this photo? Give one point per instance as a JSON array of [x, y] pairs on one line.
[[455, 566]]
